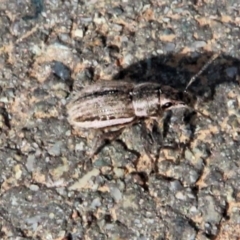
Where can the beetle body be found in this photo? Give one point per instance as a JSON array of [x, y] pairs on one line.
[[112, 103]]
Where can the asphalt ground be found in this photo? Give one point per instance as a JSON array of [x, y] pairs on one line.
[[178, 181]]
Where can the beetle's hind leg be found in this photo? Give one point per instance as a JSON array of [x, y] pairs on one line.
[[104, 138]]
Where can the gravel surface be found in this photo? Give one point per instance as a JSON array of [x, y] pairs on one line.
[[180, 181]]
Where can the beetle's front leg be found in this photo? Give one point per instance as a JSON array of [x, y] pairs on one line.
[[154, 134]]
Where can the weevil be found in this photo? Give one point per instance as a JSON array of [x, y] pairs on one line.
[[111, 103], [108, 104]]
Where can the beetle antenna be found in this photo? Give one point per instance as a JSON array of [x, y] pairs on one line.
[[214, 56]]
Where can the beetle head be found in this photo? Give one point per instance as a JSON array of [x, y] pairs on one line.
[[171, 99]]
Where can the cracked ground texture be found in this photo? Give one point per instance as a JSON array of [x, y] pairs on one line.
[[178, 180]]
